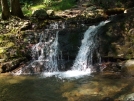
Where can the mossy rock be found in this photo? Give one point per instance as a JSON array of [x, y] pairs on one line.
[[40, 14]]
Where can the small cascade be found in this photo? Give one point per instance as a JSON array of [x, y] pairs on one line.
[[49, 60], [46, 51], [84, 58], [45, 54], [52, 59]]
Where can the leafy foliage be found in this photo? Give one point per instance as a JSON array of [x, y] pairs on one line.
[[62, 5], [29, 5]]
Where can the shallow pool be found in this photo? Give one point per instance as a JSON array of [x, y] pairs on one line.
[[93, 87]]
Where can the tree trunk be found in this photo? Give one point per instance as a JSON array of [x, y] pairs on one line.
[[5, 10], [16, 9]]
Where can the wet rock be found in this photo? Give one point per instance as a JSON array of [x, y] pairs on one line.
[[128, 68], [111, 66], [107, 67], [129, 97], [35, 67]]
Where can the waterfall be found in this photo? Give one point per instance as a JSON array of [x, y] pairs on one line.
[[47, 57], [85, 55], [52, 59], [46, 54]]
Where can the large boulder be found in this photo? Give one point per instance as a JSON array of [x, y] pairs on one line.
[[40, 14], [128, 68]]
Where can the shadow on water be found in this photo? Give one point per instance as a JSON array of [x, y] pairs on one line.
[[29, 89]]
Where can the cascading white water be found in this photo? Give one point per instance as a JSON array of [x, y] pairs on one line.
[[85, 54], [46, 54], [52, 59]]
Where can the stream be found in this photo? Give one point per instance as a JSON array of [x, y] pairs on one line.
[[47, 78]]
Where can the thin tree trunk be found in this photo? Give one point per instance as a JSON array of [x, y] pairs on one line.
[[5, 10], [16, 9]]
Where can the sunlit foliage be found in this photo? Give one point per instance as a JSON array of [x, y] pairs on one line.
[[29, 5]]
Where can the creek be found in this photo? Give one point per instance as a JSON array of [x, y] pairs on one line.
[[48, 78], [86, 88]]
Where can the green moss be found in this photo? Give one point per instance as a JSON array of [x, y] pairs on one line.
[[63, 5], [38, 7], [41, 4]]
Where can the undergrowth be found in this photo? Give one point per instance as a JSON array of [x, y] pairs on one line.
[[29, 6]]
